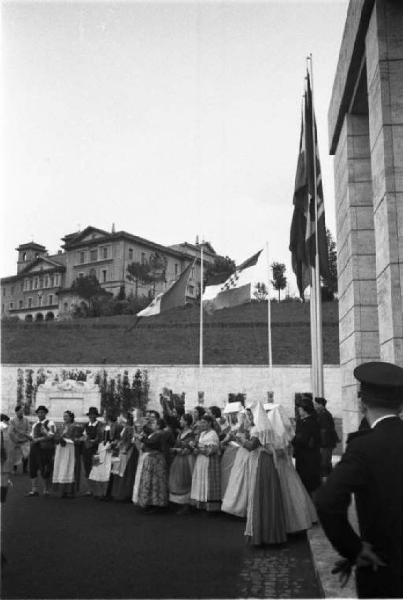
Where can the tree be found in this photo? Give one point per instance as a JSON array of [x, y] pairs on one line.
[[329, 288], [149, 272], [260, 293], [218, 272], [139, 273], [279, 280], [89, 289]]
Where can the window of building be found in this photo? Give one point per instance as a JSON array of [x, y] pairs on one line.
[[12, 289], [143, 258], [57, 280], [130, 253], [46, 282], [4, 291], [11, 305], [29, 302], [24, 256], [191, 289], [50, 299], [52, 281], [82, 257], [104, 272], [20, 304], [22, 286], [176, 268], [81, 274], [36, 283], [30, 284], [39, 300], [93, 255], [93, 273], [105, 252]]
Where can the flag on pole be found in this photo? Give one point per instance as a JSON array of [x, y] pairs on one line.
[[175, 296], [239, 287], [303, 225]]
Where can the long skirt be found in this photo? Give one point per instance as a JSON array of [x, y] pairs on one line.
[[235, 500], [153, 481], [123, 480], [206, 483], [265, 521], [227, 462], [64, 469], [100, 473], [180, 479], [299, 510]]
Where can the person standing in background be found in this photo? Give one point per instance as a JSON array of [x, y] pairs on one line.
[[328, 436], [306, 445], [20, 439], [42, 451]]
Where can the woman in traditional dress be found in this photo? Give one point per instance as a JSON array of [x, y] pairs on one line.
[[300, 512], [151, 483], [307, 445], [124, 470], [180, 474], [235, 499], [102, 461], [198, 413], [227, 446], [206, 479], [67, 458], [265, 519]]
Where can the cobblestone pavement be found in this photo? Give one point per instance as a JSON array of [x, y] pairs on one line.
[[82, 548], [279, 573]]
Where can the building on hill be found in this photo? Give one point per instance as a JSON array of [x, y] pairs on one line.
[[41, 289]]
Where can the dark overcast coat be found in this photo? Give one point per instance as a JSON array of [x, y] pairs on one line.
[[372, 469]]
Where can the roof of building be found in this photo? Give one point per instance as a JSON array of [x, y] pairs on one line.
[[79, 239], [32, 245], [207, 247]]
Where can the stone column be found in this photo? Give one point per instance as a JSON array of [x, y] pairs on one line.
[[384, 58], [358, 317]]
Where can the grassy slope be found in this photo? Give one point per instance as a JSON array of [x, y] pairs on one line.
[[231, 336]]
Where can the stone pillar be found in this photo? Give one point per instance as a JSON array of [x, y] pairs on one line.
[[384, 61], [358, 317]]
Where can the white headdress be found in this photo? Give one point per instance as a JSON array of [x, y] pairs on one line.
[[282, 429], [262, 428]]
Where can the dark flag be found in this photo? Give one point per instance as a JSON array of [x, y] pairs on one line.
[[302, 235]]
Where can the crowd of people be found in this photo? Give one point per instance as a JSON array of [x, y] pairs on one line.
[[238, 461]]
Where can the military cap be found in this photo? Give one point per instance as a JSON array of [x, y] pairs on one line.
[[41, 407], [379, 374]]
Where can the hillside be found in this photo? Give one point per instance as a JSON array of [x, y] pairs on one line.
[[231, 336]]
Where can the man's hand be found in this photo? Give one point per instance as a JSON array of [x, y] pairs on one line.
[[368, 558]]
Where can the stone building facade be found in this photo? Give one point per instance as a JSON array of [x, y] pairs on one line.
[[41, 289], [366, 138]]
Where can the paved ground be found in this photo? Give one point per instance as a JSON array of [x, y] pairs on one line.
[[84, 548]]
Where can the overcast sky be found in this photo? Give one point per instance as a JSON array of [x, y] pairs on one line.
[[169, 119]]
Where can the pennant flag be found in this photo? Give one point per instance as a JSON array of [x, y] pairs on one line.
[[240, 287], [175, 296], [303, 225]]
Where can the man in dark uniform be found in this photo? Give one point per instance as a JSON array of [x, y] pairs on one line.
[[372, 469], [328, 436]]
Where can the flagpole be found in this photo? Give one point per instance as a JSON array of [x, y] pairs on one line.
[[201, 311], [269, 346], [318, 299]]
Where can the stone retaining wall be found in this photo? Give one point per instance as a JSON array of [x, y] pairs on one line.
[[215, 381]]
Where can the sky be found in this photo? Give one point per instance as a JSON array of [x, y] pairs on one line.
[[170, 120]]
